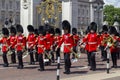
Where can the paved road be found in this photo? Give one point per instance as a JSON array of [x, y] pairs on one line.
[[30, 72]]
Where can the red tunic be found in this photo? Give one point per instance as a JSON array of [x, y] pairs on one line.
[[41, 44], [48, 41], [12, 41], [31, 41], [5, 44], [68, 42], [57, 39], [93, 41], [75, 40], [112, 48], [20, 42], [102, 38]]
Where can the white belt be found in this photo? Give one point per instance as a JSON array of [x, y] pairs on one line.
[[92, 42], [67, 44], [40, 45]]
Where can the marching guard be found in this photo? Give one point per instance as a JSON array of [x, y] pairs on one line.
[[20, 45], [48, 43], [41, 47], [75, 41], [12, 44], [5, 46], [103, 45], [68, 45], [36, 49], [30, 41], [93, 42], [113, 47], [57, 41]]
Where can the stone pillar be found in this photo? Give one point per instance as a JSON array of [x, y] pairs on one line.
[[67, 11], [26, 14], [91, 11]]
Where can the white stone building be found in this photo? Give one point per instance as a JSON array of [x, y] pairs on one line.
[[79, 12], [8, 9]]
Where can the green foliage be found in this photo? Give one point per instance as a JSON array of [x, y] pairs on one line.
[[110, 11]]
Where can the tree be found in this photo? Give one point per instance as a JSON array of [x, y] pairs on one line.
[[110, 11]]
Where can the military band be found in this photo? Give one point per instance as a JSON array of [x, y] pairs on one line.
[[45, 42]]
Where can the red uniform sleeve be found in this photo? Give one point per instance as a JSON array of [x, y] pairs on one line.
[[61, 41]]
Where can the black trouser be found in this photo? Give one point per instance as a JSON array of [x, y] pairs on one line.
[[5, 60], [74, 49], [19, 56], [57, 53], [88, 57], [41, 62], [103, 52], [52, 54], [31, 55], [46, 57], [67, 62], [92, 60], [36, 54], [114, 58], [13, 56]]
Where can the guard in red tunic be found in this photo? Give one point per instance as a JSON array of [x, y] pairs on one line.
[[20, 45], [36, 49], [58, 38], [103, 36], [30, 41], [48, 42], [52, 32], [86, 46], [68, 45], [5, 46], [113, 48], [41, 47], [75, 41], [12, 44], [93, 41]]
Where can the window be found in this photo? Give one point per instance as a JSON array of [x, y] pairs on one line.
[[17, 5], [10, 4], [2, 16], [17, 19], [3, 4]]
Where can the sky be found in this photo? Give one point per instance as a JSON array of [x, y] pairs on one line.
[[116, 3]]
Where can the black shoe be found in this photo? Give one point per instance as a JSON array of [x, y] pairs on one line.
[[112, 66], [40, 69], [115, 66], [93, 69], [20, 67], [66, 72], [33, 63], [5, 65], [90, 69], [88, 64]]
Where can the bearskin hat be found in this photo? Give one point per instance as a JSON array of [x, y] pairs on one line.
[[112, 30], [47, 28], [66, 25], [93, 26], [19, 28], [57, 31], [36, 32], [87, 30], [30, 28], [52, 31], [74, 30], [104, 28], [41, 30], [12, 30], [5, 31]]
